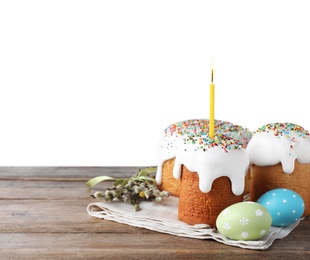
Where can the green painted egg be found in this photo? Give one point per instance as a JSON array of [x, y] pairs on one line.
[[244, 221]]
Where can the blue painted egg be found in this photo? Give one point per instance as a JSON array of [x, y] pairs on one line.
[[285, 206]]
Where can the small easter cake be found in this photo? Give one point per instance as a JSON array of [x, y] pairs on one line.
[[280, 158], [208, 174]]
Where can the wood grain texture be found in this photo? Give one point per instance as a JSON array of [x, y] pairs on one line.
[[43, 216]]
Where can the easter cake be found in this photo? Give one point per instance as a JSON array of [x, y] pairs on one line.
[[280, 158], [208, 174]]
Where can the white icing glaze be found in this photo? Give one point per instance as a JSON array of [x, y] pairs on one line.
[[280, 143], [188, 142]]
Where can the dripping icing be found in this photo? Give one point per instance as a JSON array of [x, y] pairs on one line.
[[188, 142], [280, 143]]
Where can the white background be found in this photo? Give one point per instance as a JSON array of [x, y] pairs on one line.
[[94, 83]]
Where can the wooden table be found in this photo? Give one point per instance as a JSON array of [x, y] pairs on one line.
[[43, 216]]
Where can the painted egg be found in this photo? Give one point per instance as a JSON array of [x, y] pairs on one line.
[[244, 221], [285, 206]]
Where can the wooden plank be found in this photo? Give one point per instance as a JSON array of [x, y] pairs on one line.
[[66, 172], [49, 190], [58, 216], [130, 246], [149, 253]]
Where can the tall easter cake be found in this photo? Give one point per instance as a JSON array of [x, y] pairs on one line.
[[208, 174], [280, 158]]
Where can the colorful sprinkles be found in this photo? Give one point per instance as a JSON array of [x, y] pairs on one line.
[[195, 132], [285, 129]]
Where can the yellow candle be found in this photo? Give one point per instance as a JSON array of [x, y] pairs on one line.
[[211, 122]]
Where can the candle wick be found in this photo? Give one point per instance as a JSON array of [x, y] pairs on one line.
[[211, 75]]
